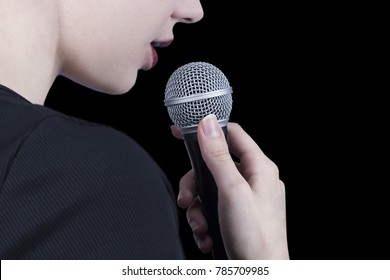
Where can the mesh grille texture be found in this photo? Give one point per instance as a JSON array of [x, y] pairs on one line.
[[196, 90]]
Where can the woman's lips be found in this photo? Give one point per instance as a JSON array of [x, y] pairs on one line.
[[162, 44], [154, 57], [154, 45]]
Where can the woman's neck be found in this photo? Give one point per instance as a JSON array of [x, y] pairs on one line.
[[29, 59]]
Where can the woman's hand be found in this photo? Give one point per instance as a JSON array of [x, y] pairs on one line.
[[251, 197]]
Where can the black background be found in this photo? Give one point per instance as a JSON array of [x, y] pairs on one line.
[[302, 89]]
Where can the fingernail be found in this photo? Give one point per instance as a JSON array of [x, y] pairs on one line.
[[211, 126], [179, 196]]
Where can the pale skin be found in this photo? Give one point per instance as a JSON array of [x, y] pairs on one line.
[[102, 44], [251, 196]]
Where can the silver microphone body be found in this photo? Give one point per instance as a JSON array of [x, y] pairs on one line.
[[194, 91]]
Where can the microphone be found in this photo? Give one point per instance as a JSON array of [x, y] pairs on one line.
[[194, 91]]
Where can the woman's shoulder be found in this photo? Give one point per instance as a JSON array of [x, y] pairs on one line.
[[96, 175], [44, 138]]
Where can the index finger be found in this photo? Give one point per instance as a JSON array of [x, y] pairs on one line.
[[215, 152]]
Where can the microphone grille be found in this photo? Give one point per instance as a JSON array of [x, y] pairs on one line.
[[196, 90]]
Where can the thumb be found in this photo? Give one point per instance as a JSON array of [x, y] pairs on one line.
[[215, 152]]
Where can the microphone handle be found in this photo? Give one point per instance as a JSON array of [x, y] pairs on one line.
[[208, 193]]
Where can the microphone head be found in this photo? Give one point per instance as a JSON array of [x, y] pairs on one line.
[[194, 91]]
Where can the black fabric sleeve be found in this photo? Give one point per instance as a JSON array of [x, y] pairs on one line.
[[78, 191]]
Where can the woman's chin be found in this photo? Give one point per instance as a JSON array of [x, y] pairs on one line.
[[118, 88]]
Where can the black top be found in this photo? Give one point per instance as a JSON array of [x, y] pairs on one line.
[[72, 189]]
